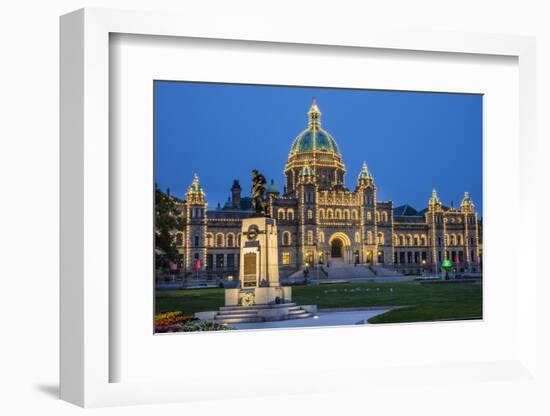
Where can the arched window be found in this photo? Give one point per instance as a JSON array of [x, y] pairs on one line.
[[209, 240], [357, 237], [310, 237], [321, 237], [281, 214], [287, 240], [354, 214], [369, 237], [384, 216], [219, 240], [369, 216], [453, 239], [179, 239], [377, 216], [321, 213], [329, 213], [230, 240], [409, 240], [338, 214], [424, 240], [346, 214], [309, 214], [447, 239], [460, 240], [416, 240], [380, 238], [395, 240], [290, 214], [402, 239]]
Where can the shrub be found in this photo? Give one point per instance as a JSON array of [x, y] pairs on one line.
[[197, 325]]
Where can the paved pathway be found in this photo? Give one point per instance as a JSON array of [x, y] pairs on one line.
[[322, 319]]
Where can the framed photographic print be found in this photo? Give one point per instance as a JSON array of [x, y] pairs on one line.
[[249, 207], [312, 247]]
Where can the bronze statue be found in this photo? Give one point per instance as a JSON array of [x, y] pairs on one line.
[[258, 193]]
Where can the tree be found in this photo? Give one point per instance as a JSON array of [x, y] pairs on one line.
[[168, 221]]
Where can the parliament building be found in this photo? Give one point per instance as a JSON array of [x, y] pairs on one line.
[[321, 221]]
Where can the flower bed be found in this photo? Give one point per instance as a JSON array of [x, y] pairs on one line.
[[171, 321], [178, 322]]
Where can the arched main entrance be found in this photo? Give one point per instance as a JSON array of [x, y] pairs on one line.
[[340, 247], [337, 248]]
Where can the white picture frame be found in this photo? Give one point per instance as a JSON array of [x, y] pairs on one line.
[[86, 355]]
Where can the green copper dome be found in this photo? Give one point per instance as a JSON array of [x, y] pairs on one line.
[[314, 138], [272, 188], [364, 174]]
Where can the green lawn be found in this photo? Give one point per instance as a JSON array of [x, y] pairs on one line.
[[425, 302]]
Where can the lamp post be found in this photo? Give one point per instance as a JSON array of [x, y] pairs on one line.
[[424, 266], [447, 265]]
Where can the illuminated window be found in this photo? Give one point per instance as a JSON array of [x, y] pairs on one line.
[[321, 237], [409, 240], [309, 214], [219, 240], [230, 240], [357, 237], [329, 214], [346, 214], [338, 214], [416, 240], [369, 216], [385, 216], [369, 237], [310, 237], [281, 214], [209, 240], [286, 258], [377, 214], [460, 240], [290, 214], [424, 240], [321, 213], [354, 214], [402, 240], [453, 239], [286, 238], [380, 238]]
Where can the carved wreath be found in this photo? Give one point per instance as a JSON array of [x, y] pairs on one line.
[[248, 299]]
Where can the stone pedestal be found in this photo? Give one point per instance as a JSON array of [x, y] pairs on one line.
[[259, 265]]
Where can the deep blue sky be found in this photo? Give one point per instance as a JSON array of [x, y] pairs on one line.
[[411, 141]]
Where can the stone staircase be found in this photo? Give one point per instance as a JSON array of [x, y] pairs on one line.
[[339, 270], [385, 271], [241, 314]]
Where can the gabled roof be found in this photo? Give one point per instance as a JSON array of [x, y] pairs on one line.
[[404, 210]]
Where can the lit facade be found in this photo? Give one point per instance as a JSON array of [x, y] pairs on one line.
[[321, 221]]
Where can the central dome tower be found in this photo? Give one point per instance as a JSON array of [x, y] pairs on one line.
[[316, 148]]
